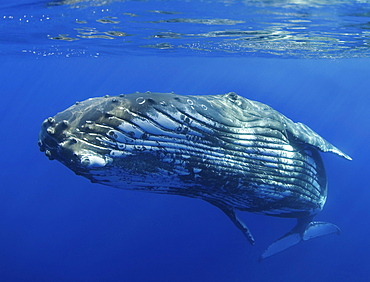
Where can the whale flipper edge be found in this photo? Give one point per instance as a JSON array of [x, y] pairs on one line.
[[303, 231]]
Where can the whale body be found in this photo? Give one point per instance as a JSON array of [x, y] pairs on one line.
[[232, 152]]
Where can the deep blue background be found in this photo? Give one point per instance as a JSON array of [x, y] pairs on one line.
[[55, 226]]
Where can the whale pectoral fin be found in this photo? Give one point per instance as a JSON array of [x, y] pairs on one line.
[[281, 244], [230, 212], [303, 231]]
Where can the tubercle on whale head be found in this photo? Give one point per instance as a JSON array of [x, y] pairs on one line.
[[75, 135], [57, 143], [107, 134], [66, 137]]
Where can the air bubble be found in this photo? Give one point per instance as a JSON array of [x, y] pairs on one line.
[[140, 100], [139, 148], [112, 134]]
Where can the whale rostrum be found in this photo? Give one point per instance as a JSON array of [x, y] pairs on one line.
[[232, 152]]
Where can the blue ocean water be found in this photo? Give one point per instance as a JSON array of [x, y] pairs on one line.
[[307, 59]]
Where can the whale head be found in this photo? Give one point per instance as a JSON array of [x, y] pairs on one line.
[[134, 141], [73, 137]]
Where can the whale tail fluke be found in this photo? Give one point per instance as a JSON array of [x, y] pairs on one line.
[[303, 231]]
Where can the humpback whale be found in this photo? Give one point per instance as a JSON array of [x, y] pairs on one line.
[[235, 153]]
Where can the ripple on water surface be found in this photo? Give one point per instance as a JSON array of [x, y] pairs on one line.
[[289, 29]]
